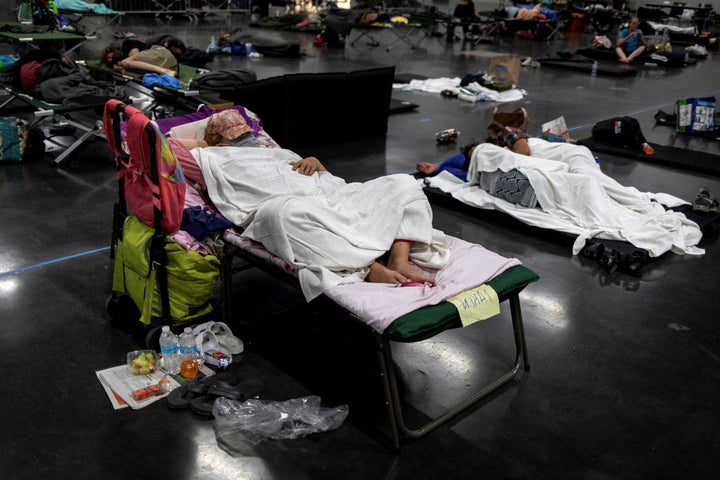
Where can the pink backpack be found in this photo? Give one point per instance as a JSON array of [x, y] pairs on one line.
[[161, 200]]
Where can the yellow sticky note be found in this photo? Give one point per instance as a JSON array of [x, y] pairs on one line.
[[476, 304]]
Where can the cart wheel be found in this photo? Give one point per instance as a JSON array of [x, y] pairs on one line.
[[121, 307], [152, 338], [113, 305]]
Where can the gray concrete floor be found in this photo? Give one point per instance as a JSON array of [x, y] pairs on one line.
[[624, 380]]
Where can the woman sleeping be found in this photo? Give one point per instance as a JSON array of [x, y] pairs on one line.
[[331, 231], [573, 196]]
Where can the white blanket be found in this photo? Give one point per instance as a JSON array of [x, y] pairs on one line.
[[577, 198], [239, 179], [437, 85], [333, 238], [329, 230]]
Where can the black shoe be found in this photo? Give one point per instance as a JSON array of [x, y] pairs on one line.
[[704, 202], [666, 118]]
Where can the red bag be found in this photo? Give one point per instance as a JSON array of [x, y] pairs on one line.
[[142, 196]]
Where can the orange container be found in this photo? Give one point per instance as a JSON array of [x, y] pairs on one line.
[[577, 23]]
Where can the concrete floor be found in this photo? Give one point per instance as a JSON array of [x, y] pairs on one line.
[[624, 381]]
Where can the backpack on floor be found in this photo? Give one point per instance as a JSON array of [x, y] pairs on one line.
[[19, 141], [620, 131]]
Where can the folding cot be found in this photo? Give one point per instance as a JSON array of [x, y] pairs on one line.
[[507, 277], [157, 95], [575, 198], [701, 15], [42, 110], [191, 9], [402, 32], [37, 39], [403, 27], [543, 28], [94, 15]]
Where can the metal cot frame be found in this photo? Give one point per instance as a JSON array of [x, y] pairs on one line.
[[399, 428], [191, 9]]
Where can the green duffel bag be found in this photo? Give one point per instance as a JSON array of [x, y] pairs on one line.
[[191, 276]]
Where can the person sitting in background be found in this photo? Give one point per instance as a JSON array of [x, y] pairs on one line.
[[631, 42], [465, 12]]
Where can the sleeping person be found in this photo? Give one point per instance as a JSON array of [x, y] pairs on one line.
[[523, 13], [333, 232], [137, 62], [574, 197], [458, 164]]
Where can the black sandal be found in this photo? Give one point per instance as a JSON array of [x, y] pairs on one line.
[[203, 405], [182, 396]]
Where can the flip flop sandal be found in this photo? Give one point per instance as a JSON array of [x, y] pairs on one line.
[[181, 397], [212, 351], [241, 392], [224, 335], [226, 339]]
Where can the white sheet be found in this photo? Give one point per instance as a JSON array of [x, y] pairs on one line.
[[332, 238], [239, 179], [378, 304], [437, 85], [329, 230], [577, 198]]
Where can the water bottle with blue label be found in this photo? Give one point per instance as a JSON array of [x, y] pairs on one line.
[[169, 349]]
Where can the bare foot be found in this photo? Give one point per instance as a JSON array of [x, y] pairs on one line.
[[379, 273], [410, 271], [427, 168]]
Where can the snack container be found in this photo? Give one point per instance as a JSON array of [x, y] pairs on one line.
[[142, 362]]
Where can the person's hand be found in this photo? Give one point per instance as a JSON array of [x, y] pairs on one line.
[[172, 73], [308, 166]]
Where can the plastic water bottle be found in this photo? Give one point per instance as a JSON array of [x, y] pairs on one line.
[[593, 70], [212, 46], [187, 343], [169, 350]]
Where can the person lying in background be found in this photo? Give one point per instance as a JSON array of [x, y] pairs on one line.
[[138, 61], [510, 137]]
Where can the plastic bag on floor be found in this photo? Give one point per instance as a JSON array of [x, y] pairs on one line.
[[257, 420]]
